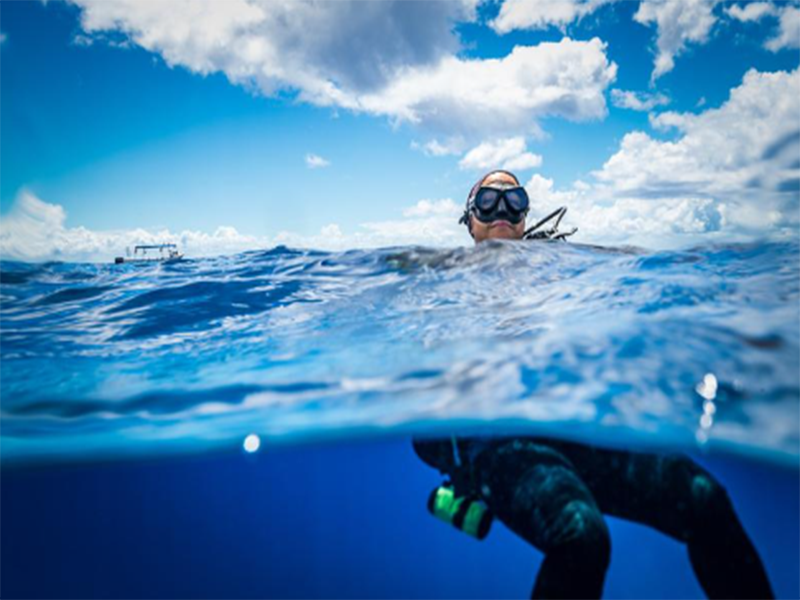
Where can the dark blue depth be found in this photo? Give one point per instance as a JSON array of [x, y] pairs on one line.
[[345, 520]]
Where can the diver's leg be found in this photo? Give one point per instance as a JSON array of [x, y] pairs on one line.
[[537, 494], [724, 559], [673, 494]]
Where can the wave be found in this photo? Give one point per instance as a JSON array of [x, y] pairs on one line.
[[614, 344]]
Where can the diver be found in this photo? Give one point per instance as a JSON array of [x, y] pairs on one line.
[[554, 493]]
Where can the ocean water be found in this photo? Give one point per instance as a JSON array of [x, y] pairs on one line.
[[128, 391]]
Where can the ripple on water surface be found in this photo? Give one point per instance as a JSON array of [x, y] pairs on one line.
[[595, 343]]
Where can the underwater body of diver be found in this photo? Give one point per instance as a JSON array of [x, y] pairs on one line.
[[553, 493]]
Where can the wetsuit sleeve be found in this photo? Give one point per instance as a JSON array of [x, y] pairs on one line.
[[438, 453]]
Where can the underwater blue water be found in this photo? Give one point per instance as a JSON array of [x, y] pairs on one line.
[[309, 350], [334, 520]]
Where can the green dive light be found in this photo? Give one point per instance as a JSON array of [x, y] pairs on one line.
[[467, 513]]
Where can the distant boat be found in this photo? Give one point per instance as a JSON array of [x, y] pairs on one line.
[[146, 254]]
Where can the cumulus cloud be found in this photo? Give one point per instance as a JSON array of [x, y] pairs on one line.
[[543, 195], [788, 35], [720, 149], [430, 208], [605, 219], [755, 11], [541, 14], [447, 147], [312, 46], [639, 101], [314, 161], [464, 96], [678, 23], [35, 230], [510, 154], [731, 172], [788, 15], [393, 59], [427, 223]]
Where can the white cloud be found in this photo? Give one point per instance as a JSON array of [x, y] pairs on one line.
[[788, 15], [788, 35], [731, 173], [523, 162], [541, 14], [540, 190], [720, 150], [642, 222], [447, 147], [428, 223], [641, 101], [83, 41], [678, 23], [298, 44], [314, 161], [651, 223], [392, 59], [35, 230], [510, 154], [429, 208], [755, 11], [461, 96]]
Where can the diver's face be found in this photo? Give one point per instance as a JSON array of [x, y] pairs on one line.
[[497, 230]]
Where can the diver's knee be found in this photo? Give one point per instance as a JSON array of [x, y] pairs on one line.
[[710, 502], [583, 532]]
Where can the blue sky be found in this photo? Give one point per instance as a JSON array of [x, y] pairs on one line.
[[339, 125]]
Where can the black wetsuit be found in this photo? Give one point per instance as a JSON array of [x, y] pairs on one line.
[[553, 494]]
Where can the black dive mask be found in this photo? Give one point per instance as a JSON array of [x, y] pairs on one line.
[[492, 204]]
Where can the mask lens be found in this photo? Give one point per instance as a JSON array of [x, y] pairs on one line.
[[486, 199], [517, 199]]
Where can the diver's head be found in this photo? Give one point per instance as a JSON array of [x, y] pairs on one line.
[[496, 208]]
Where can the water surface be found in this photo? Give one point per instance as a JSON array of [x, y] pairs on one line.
[[682, 348]]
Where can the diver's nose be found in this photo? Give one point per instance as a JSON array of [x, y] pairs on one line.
[[502, 207]]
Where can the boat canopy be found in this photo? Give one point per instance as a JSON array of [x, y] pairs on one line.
[[155, 247]]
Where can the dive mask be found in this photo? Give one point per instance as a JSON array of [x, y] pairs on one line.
[[494, 203]]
